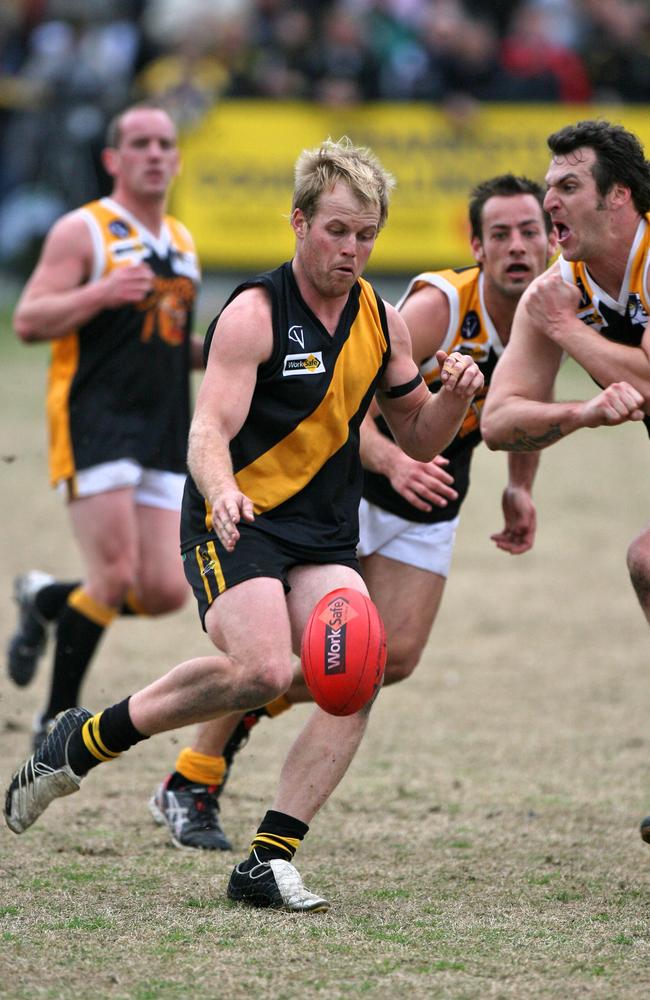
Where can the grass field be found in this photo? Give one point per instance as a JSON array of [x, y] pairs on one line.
[[485, 842]]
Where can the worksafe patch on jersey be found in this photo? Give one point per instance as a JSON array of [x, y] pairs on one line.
[[310, 363]]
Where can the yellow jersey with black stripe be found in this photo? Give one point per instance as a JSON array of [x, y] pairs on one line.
[[119, 384], [297, 455], [471, 331], [624, 319]]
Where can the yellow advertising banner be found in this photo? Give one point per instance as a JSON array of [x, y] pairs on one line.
[[234, 192]]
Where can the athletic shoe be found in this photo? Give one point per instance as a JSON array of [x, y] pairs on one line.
[[645, 829], [41, 726], [276, 884], [192, 815], [47, 774], [28, 642]]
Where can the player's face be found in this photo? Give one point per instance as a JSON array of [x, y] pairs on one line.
[[514, 247], [333, 249], [147, 158], [575, 205]]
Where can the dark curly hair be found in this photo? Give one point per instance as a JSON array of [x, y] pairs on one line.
[[620, 158], [507, 185]]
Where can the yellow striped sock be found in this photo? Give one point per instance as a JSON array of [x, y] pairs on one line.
[[95, 611], [289, 845], [93, 742], [200, 768], [277, 706]]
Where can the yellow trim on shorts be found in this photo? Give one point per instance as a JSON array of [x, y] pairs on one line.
[[213, 565], [216, 567]]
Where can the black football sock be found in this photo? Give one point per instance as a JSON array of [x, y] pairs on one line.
[[50, 600], [103, 738], [81, 625], [278, 836]]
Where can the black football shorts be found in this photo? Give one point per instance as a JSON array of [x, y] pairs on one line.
[[210, 569]]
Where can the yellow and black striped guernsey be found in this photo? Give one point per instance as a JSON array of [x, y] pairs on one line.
[[119, 385], [297, 455]]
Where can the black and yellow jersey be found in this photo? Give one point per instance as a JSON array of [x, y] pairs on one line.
[[622, 320], [119, 384], [470, 331], [297, 455]]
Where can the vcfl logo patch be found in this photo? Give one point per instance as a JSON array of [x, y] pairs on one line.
[[335, 617]]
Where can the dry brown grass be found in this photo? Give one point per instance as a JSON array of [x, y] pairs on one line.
[[485, 842]]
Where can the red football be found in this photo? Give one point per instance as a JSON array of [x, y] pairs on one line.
[[343, 651]]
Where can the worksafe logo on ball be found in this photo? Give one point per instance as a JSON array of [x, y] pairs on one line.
[[335, 618], [310, 363]]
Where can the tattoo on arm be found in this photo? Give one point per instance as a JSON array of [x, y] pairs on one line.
[[522, 441]]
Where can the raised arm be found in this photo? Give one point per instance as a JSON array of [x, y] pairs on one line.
[[242, 340], [551, 305], [422, 484], [520, 413], [424, 424], [59, 297]]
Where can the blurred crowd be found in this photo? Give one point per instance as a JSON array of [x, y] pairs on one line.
[[66, 66]]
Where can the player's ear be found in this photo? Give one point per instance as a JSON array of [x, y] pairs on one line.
[[109, 157], [299, 223], [477, 249], [619, 195]]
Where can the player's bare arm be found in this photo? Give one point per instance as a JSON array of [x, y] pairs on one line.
[[243, 339], [422, 484], [58, 296], [551, 305], [520, 413], [519, 514], [196, 352], [424, 424]]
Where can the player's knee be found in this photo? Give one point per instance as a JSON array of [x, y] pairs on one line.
[[638, 564], [113, 583], [270, 678], [164, 596], [402, 661]]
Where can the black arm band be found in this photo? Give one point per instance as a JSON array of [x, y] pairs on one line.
[[403, 390]]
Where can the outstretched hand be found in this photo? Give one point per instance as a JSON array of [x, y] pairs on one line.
[[518, 533], [227, 512], [423, 484]]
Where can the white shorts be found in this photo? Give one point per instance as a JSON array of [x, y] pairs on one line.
[[427, 546], [153, 487]]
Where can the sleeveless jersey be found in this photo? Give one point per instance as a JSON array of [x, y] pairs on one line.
[[470, 331], [119, 384], [621, 320], [297, 455]]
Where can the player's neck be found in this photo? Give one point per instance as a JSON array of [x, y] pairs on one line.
[[608, 264], [150, 213], [500, 309], [328, 309]]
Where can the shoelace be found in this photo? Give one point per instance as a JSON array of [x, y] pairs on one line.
[[205, 809]]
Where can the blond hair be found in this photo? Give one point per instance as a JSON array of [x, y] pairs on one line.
[[319, 169]]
